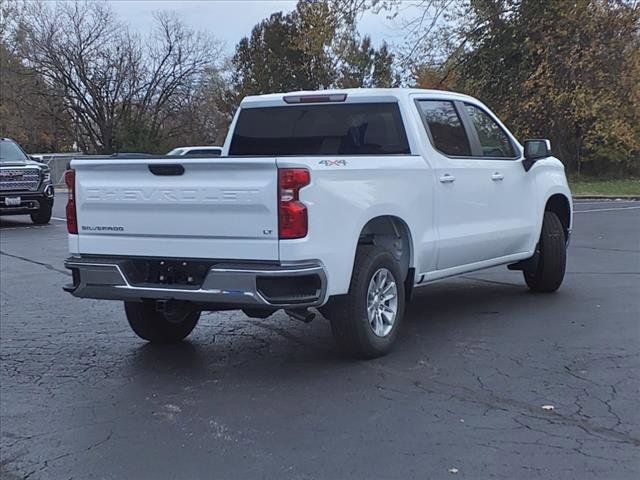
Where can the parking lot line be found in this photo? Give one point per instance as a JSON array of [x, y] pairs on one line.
[[603, 202], [606, 209]]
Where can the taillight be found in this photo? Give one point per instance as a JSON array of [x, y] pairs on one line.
[[292, 214], [72, 219]]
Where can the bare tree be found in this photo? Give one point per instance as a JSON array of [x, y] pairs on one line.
[[31, 112], [111, 80], [176, 59]]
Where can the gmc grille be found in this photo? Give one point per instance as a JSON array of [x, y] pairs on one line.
[[19, 179]]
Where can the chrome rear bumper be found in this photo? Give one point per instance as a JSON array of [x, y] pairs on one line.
[[230, 285]]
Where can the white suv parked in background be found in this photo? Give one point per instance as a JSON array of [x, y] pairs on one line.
[[211, 150], [345, 200]]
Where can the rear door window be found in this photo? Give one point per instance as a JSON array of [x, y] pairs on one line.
[[445, 127], [493, 139], [344, 129]]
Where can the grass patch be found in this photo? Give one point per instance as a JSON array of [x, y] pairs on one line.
[[592, 186]]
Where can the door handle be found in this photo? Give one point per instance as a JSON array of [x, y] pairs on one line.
[[446, 178], [496, 177]]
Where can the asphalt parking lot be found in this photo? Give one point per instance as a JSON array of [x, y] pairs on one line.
[[460, 397]]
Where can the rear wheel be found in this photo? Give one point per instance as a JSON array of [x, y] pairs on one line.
[[160, 327], [549, 271], [365, 322], [43, 215]]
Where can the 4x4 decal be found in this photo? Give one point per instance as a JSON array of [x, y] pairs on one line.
[[333, 163]]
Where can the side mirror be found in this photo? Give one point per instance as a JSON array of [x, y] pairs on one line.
[[534, 150]]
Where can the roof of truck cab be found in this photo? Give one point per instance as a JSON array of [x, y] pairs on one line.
[[400, 93]]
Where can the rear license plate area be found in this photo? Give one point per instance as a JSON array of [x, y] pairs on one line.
[[165, 272]]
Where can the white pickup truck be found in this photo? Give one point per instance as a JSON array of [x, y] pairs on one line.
[[345, 201]]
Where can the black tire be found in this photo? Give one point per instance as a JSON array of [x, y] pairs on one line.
[[348, 313], [158, 327], [42, 216], [552, 258]]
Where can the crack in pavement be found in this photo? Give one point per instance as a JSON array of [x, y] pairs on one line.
[[286, 335], [493, 282], [45, 463], [491, 400], [48, 266]]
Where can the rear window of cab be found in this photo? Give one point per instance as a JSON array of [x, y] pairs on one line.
[[308, 130]]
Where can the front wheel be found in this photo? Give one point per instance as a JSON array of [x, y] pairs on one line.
[[365, 322], [160, 327], [43, 215], [549, 271]]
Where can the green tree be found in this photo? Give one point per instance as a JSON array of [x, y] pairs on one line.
[[383, 71], [276, 56], [362, 65], [563, 70], [314, 47]]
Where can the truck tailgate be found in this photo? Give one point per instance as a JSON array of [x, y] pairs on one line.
[[183, 208]]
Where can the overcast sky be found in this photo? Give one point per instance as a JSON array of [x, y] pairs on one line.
[[230, 20]]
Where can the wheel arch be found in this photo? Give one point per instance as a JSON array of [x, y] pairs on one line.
[[559, 204], [394, 234]]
